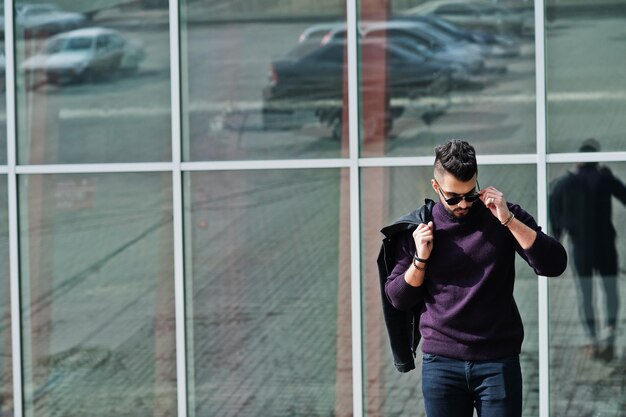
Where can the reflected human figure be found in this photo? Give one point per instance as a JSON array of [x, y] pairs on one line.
[[580, 205]]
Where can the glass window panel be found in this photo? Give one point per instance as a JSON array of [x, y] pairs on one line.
[[264, 79], [586, 89], [587, 338], [268, 293], [93, 82], [425, 77], [6, 371], [3, 100], [97, 294], [388, 193]]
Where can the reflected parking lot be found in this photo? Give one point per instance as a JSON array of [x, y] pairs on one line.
[[239, 91], [426, 58]]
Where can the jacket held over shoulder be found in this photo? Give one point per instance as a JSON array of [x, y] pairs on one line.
[[402, 326]]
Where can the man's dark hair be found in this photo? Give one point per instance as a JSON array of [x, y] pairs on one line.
[[458, 158]]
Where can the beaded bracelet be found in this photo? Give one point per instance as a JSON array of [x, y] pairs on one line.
[[417, 259], [419, 268]]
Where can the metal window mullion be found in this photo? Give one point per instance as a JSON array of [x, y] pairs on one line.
[[12, 201], [542, 207], [415, 161], [355, 218], [95, 168], [586, 157], [264, 164], [177, 208]]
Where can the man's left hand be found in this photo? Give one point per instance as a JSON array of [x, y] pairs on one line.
[[494, 200]]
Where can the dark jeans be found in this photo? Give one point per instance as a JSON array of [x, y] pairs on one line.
[[453, 388]]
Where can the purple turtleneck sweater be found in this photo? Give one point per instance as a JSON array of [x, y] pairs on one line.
[[469, 312]]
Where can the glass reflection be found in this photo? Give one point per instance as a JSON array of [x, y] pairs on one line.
[[586, 204], [6, 372], [97, 295], [268, 293], [84, 75], [446, 69], [586, 89], [387, 194], [3, 101], [262, 82]]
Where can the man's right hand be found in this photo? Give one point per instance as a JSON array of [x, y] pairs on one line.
[[423, 237]]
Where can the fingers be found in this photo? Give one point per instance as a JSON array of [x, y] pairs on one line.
[[495, 201], [423, 234], [424, 229], [423, 237], [492, 197]]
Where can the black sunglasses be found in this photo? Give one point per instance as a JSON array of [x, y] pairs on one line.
[[453, 201]]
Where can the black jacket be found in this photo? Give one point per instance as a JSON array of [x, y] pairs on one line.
[[402, 327]]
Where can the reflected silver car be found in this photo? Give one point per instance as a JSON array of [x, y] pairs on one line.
[[84, 54]]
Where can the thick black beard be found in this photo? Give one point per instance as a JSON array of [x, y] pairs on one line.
[[461, 218]]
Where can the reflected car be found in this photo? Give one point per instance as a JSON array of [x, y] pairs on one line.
[[415, 36], [311, 78], [492, 45], [45, 18], [426, 39], [84, 54], [474, 14], [318, 32]]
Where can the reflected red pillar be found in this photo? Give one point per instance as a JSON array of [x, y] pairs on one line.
[[374, 109], [373, 84]]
